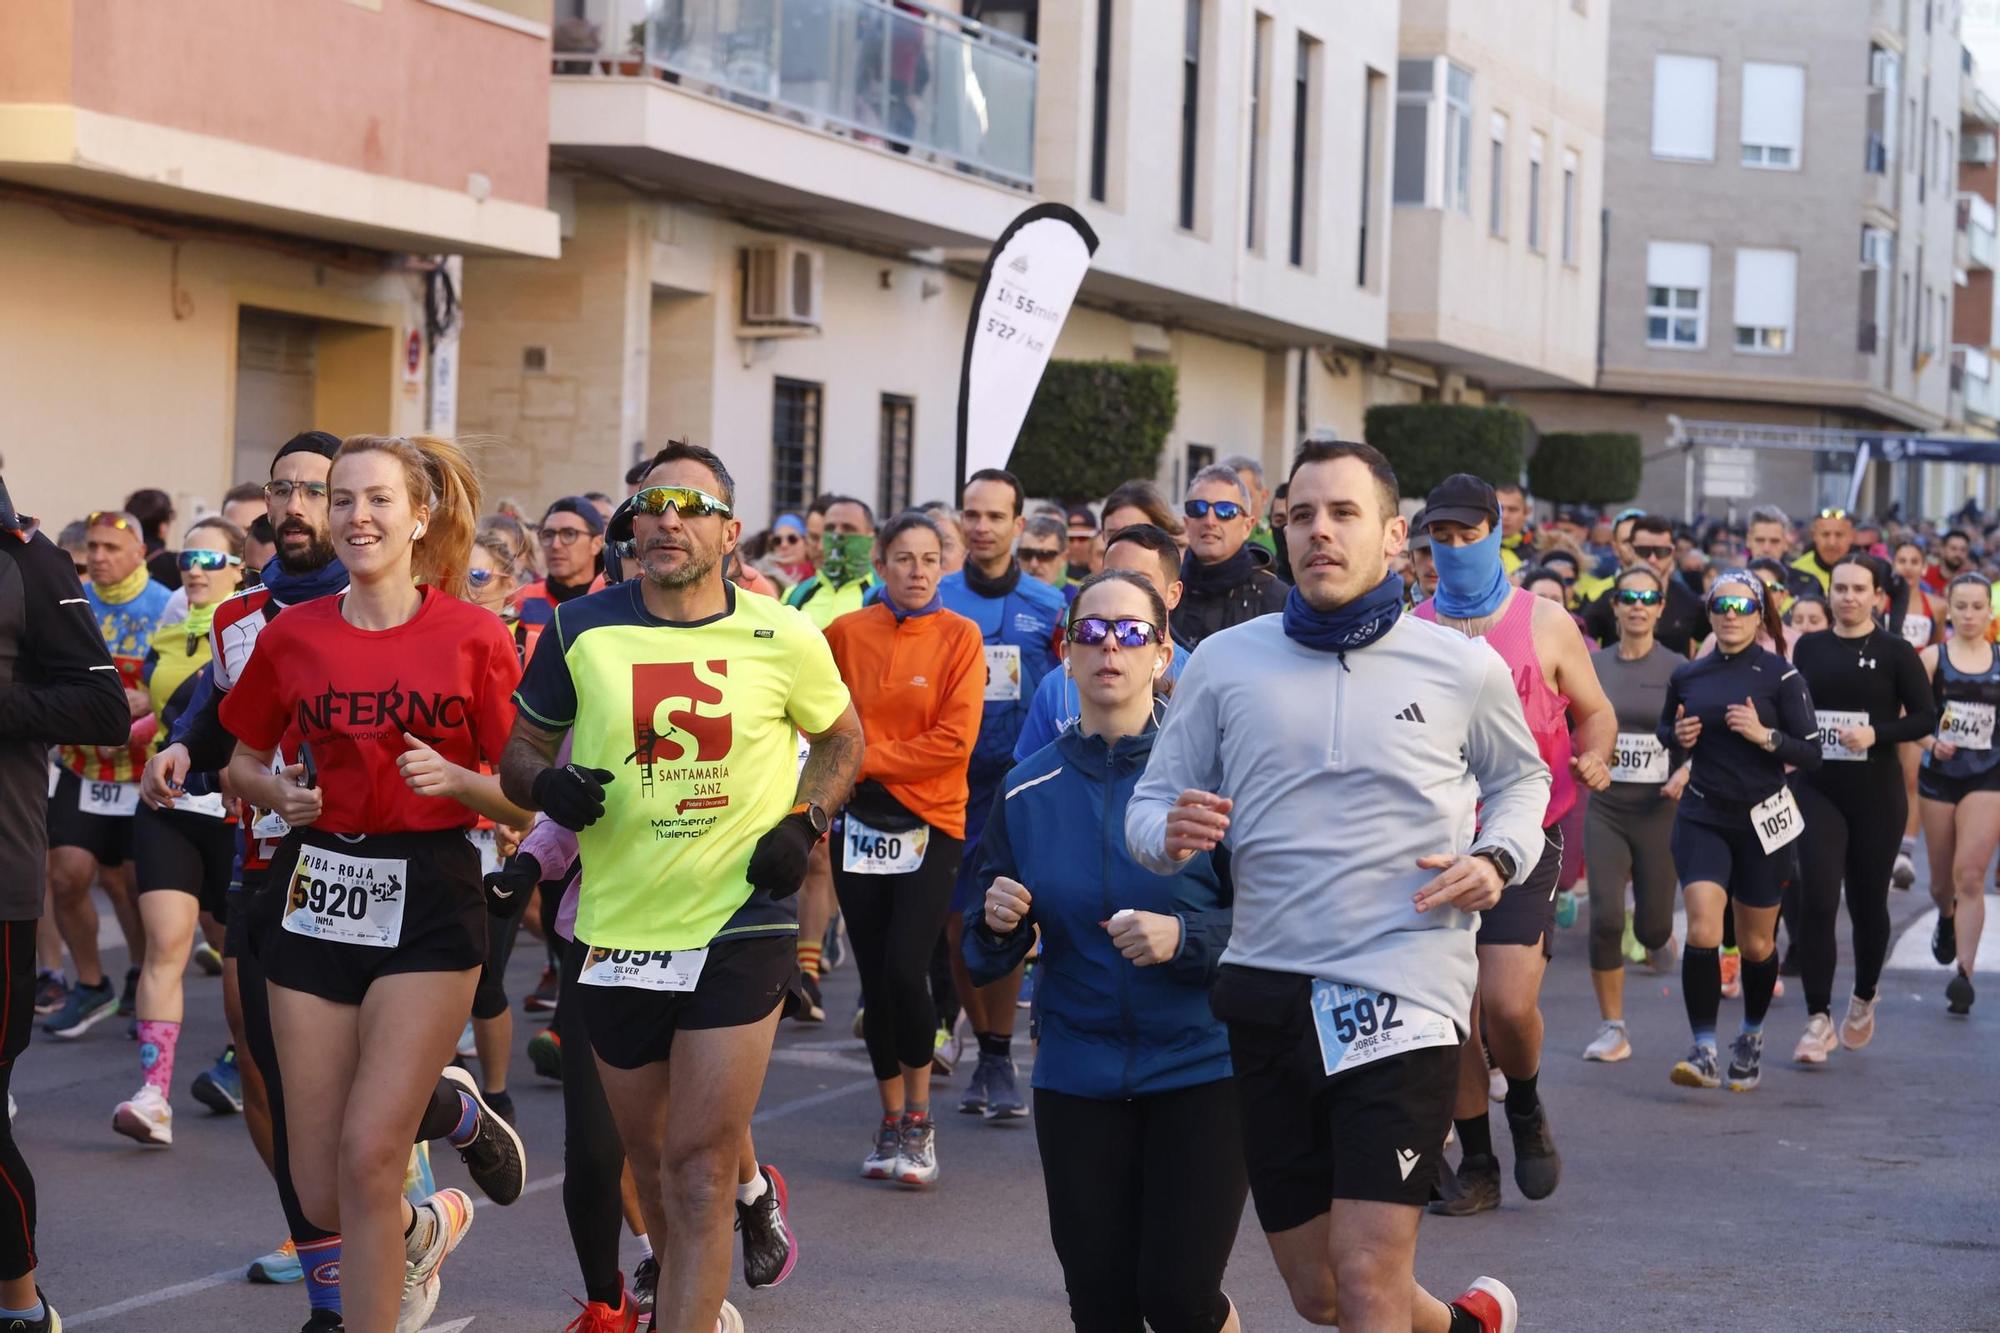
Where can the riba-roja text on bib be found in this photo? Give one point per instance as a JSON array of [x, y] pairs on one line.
[[1831, 723], [1967, 725], [1638, 756], [347, 899]]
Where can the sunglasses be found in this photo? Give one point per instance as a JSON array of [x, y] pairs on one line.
[[562, 536], [208, 560], [787, 539], [1733, 604], [1640, 597], [1040, 555], [684, 500], [1224, 509], [281, 491], [1652, 552], [479, 578], [1094, 630], [1833, 513], [110, 518]]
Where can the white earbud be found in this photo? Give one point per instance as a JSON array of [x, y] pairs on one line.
[[419, 532], [1159, 669]]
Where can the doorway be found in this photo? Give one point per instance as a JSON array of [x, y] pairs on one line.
[[294, 373]]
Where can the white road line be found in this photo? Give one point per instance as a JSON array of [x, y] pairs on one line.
[[1912, 952]]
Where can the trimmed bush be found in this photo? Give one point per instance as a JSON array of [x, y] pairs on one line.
[[1586, 468], [1092, 426], [1427, 442]]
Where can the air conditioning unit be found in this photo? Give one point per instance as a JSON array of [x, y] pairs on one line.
[[1977, 149], [782, 284]]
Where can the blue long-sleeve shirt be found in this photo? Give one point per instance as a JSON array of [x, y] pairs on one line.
[[1730, 773], [1019, 629]]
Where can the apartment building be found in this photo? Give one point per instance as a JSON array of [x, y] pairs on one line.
[[221, 225], [1975, 392], [1780, 213]]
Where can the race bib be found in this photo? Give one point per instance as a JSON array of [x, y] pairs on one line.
[[1831, 723], [872, 852], [347, 899], [644, 969], [1917, 630], [1777, 820], [1969, 726], [1003, 671], [114, 800], [270, 827], [1638, 756], [1359, 1026], [211, 805]]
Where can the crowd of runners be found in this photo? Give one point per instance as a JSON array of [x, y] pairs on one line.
[[1260, 811]]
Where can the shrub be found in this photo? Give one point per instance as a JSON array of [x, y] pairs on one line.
[[1586, 468], [1427, 442], [1092, 426]]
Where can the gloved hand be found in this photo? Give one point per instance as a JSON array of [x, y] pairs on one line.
[[509, 887], [778, 865], [571, 795]]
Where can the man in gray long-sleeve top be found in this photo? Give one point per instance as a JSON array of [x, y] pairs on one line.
[[1343, 751]]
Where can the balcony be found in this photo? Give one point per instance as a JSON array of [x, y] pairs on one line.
[[1974, 243], [1972, 367]]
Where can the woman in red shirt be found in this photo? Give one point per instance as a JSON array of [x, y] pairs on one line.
[[391, 694]]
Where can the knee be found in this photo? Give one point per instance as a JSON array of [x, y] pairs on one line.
[[1511, 1011], [370, 1163], [1315, 1297], [704, 1177], [1367, 1281], [1969, 881]]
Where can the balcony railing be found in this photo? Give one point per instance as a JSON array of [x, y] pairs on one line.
[[1976, 227], [898, 74]]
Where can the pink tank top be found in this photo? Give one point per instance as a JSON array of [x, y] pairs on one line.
[[1513, 638]]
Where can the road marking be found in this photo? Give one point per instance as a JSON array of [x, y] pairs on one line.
[[1913, 947], [235, 1272]]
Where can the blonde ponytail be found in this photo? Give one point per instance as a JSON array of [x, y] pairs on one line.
[[437, 473]]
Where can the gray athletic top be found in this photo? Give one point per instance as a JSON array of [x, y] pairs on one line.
[[1637, 691]]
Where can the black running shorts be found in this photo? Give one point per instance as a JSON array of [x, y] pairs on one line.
[[741, 983], [1735, 859], [1375, 1133], [106, 837], [1526, 912], [1935, 786], [188, 853]]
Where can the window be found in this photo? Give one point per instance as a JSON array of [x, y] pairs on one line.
[[1190, 109], [1884, 75], [1260, 102], [1684, 108], [794, 445], [1878, 248], [1417, 101], [1535, 192], [1374, 115], [1774, 99], [1413, 115], [1100, 102], [1458, 139], [1766, 296], [1570, 164], [1676, 294], [899, 416], [1496, 180], [1304, 169]]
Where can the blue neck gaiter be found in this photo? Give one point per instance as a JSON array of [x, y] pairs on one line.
[[1472, 581]]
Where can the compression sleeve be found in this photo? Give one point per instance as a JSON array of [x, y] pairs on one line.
[[1798, 724], [1913, 691], [1186, 754]]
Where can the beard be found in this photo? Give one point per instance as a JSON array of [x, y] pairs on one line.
[[317, 556], [698, 566]]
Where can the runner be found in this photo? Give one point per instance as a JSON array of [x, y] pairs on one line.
[[1960, 781], [1558, 688], [1134, 1113], [680, 993], [1651, 541], [1342, 703], [1918, 615], [1744, 714], [1871, 694], [1227, 576], [917, 674], [1831, 537], [394, 692], [1628, 828], [572, 546]]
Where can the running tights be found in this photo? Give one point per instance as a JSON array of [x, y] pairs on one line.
[[1853, 836], [1625, 840], [489, 1000], [593, 1157], [1145, 1196], [893, 923], [17, 1186]]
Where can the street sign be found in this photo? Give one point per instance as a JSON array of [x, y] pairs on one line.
[[1729, 474]]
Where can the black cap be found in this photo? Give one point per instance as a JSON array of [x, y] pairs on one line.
[[1080, 520], [582, 508], [310, 442], [1460, 498]]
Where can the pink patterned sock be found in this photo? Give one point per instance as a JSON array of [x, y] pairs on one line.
[[156, 1053]]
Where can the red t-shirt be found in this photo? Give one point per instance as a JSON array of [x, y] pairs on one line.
[[447, 677]]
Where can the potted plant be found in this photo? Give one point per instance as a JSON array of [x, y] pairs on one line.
[[635, 47]]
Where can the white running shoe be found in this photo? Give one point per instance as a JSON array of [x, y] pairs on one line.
[[451, 1214], [1611, 1045], [728, 1321], [1858, 1028], [1490, 1302], [419, 1303], [146, 1118], [1905, 873], [1816, 1042]]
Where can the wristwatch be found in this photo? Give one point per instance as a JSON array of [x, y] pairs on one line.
[[1501, 862], [814, 816], [1770, 742]]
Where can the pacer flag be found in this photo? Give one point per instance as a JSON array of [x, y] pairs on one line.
[[1024, 296]]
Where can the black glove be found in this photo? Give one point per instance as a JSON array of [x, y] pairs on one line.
[[509, 887], [572, 796], [778, 865]]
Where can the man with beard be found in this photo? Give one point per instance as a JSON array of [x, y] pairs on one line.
[[572, 537], [1954, 558]]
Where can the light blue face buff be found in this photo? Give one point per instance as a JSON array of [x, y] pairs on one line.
[[1472, 582]]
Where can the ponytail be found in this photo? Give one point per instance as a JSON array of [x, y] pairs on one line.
[[438, 475]]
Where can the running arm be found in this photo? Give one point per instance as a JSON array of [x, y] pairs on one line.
[[70, 692], [530, 748], [1594, 722], [1513, 780], [832, 764], [1913, 691]]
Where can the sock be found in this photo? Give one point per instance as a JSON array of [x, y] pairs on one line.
[[1909, 847], [156, 1053], [1701, 988], [917, 1112], [1475, 1135], [753, 1189], [1760, 978], [1464, 1322], [809, 959], [999, 1044], [321, 1261], [645, 1247], [31, 1315], [1521, 1097], [442, 1112], [468, 1122], [421, 1232]]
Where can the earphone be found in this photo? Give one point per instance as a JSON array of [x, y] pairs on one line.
[[419, 532]]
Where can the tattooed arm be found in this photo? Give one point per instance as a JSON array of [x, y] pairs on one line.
[[531, 748], [833, 764]]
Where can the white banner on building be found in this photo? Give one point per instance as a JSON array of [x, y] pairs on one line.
[[1024, 296]]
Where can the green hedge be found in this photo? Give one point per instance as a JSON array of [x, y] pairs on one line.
[[1586, 468], [1427, 442], [1092, 426]]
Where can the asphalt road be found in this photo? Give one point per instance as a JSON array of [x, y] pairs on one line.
[[1860, 1196]]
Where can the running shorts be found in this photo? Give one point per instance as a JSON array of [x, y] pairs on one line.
[[1935, 786], [1374, 1133], [1733, 858], [443, 925], [106, 837], [1526, 912], [741, 982], [195, 854]]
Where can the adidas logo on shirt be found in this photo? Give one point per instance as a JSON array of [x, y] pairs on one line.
[[1410, 714], [1406, 1161]]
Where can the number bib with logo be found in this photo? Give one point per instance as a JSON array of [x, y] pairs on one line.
[[1003, 671], [1359, 1026], [1777, 820], [1831, 723], [643, 969], [1969, 726], [1917, 631], [113, 800], [870, 851], [1638, 757], [347, 899]]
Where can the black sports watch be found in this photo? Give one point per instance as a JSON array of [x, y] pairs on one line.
[[815, 817], [1501, 861]]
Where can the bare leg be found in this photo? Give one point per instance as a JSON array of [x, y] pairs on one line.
[[71, 870], [1354, 1266], [1470, 1099], [170, 925], [971, 998], [1510, 986], [123, 890], [1610, 988]]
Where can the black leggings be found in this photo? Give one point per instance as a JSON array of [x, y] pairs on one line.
[[1145, 1196], [593, 1157], [893, 924], [489, 1000], [1624, 839], [1853, 833], [17, 1185]]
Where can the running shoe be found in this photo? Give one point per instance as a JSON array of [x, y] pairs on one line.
[[728, 1321], [1612, 1044], [1565, 909], [597, 1317], [942, 1062], [1003, 1093], [1958, 993], [82, 1009], [542, 999], [146, 1118], [1496, 1085], [1746, 1061], [1700, 1068], [495, 1157], [1489, 1301], [1537, 1164], [1858, 1028], [973, 1102], [1944, 940], [468, 1045], [811, 1008], [860, 1011], [220, 1086], [128, 999], [1474, 1187], [880, 1163], [1628, 943], [833, 945], [50, 992], [451, 1218], [208, 958], [1905, 873], [917, 1163], [1732, 974], [1666, 958], [419, 1303], [1817, 1041], [646, 1284], [770, 1251], [503, 1102], [281, 1267], [50, 1322], [323, 1321], [545, 1054]]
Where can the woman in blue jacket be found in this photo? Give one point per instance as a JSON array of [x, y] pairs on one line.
[[1134, 1110]]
